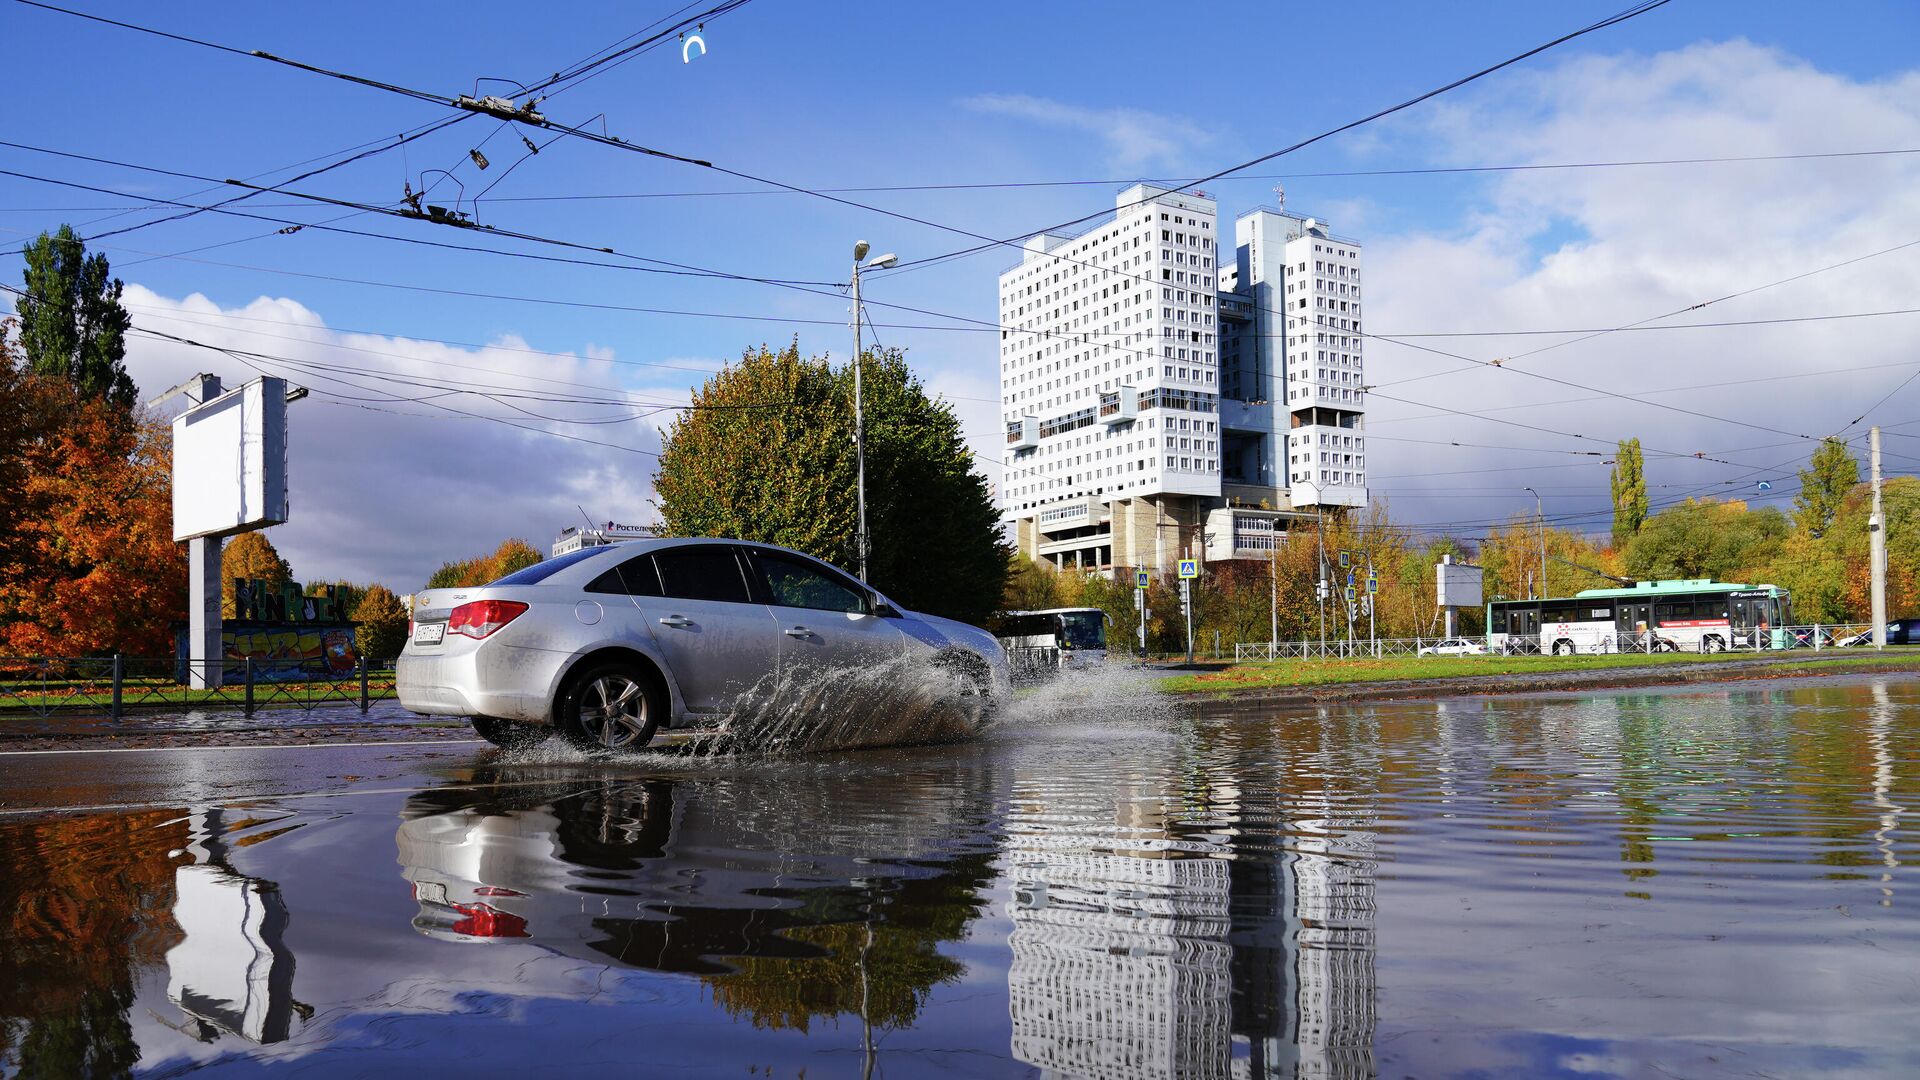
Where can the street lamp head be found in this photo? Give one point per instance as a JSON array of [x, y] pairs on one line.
[[860, 249], [882, 262]]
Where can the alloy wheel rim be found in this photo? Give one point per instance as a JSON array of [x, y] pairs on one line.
[[613, 710]]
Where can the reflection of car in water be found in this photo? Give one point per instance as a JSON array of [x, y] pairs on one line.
[[1045, 641], [677, 876], [610, 643]]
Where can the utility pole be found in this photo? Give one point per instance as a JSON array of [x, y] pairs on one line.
[[1539, 509], [1877, 536], [860, 539], [1273, 584], [1320, 524]]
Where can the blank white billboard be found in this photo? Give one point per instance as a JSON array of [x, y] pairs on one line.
[[230, 462], [1459, 585]]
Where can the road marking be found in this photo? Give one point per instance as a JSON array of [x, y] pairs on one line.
[[261, 746]]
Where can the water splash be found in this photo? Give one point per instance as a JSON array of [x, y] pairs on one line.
[[1101, 691], [900, 702]]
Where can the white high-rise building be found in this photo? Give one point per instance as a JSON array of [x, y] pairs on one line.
[[1142, 393]]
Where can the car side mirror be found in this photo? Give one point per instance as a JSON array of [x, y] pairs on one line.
[[883, 608]]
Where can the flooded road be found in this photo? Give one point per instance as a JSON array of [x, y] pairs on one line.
[[1693, 881]]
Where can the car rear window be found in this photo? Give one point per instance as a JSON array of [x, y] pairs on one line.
[[541, 571], [634, 577], [701, 573]]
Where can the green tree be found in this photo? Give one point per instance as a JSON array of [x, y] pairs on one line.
[[1030, 586], [1824, 485], [766, 453], [1629, 485], [72, 326], [1707, 539], [383, 623]]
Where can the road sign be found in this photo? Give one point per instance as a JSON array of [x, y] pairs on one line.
[[1373, 584], [1346, 559], [1140, 579], [1349, 594], [1189, 568]]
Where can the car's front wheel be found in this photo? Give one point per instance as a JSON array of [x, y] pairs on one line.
[[612, 707]]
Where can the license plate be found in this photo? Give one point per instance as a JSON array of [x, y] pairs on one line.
[[429, 633]]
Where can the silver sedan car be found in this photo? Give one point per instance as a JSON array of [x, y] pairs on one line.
[[608, 644]]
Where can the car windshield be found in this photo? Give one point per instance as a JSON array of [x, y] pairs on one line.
[[1083, 629]]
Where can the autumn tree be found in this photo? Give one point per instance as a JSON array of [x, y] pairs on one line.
[[1824, 484], [383, 623], [1629, 484], [512, 554], [103, 571], [27, 416], [72, 325], [766, 453], [1030, 586], [252, 557]]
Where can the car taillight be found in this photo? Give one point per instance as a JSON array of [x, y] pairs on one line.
[[482, 617]]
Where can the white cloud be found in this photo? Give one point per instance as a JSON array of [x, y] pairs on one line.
[[1605, 247], [387, 489], [1133, 137]]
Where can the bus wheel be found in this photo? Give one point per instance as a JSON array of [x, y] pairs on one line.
[[1712, 643], [1562, 647]]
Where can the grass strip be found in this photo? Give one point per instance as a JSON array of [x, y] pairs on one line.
[[1285, 674]]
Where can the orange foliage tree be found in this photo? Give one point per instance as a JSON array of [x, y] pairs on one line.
[[97, 569]]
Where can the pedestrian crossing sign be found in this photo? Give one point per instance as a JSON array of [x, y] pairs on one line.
[[1346, 559], [1140, 579], [1189, 568], [1373, 584]]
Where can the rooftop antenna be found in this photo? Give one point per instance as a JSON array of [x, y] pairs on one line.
[[584, 517], [1280, 195]]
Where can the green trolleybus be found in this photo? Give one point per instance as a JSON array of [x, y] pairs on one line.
[[1693, 615]]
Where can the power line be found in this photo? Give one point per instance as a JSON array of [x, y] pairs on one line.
[[1612, 20]]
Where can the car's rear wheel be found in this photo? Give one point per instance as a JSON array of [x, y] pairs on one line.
[[507, 734], [614, 706]]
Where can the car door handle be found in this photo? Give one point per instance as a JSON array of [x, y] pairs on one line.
[[676, 620], [799, 631]]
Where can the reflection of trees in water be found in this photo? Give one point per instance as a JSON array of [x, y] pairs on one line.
[[883, 966], [788, 899], [84, 902]]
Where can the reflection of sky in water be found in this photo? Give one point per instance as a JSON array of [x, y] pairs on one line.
[[1700, 881]]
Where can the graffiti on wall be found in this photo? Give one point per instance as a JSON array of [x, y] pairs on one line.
[[283, 652]]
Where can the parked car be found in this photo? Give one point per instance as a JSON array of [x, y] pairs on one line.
[[1454, 647], [1899, 632], [608, 644]]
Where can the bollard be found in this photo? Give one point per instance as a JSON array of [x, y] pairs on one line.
[[248, 708], [118, 671], [1816, 637], [363, 686]]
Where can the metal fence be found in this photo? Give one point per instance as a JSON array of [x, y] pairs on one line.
[[116, 685], [1815, 636]]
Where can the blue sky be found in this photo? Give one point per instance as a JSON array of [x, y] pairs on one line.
[[901, 94]]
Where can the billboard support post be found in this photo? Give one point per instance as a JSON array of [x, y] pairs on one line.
[[204, 651]]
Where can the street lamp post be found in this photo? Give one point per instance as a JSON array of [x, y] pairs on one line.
[[859, 413], [1539, 509]]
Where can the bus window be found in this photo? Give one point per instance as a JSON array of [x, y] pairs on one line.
[[1083, 629], [1673, 611]]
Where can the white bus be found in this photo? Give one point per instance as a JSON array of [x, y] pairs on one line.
[[1053, 639], [1691, 615]]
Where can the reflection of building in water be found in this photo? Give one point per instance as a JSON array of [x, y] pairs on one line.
[[232, 971], [1120, 964], [1330, 888], [1157, 963]]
